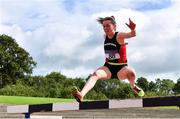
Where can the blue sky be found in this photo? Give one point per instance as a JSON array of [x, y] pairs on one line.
[[141, 5], [63, 35], [149, 5]]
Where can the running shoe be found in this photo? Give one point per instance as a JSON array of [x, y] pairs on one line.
[[138, 91], [77, 95]]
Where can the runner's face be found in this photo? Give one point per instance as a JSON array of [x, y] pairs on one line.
[[108, 27]]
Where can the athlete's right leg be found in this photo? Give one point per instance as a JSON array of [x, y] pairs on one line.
[[101, 73]]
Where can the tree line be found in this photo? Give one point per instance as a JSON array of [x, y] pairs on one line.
[[16, 66]]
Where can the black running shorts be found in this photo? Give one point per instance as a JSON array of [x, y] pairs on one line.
[[114, 69]]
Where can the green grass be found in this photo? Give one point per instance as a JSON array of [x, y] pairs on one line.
[[18, 100]]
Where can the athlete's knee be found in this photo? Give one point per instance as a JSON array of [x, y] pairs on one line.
[[99, 74]]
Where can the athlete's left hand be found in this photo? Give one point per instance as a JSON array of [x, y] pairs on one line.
[[131, 25]]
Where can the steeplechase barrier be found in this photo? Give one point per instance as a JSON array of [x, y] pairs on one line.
[[27, 110]]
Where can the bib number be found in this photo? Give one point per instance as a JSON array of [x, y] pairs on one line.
[[112, 56]]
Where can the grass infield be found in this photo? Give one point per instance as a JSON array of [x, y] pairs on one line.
[[20, 100]]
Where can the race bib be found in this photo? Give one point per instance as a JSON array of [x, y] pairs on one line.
[[112, 56]]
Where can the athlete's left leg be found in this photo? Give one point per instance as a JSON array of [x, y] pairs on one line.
[[130, 74]]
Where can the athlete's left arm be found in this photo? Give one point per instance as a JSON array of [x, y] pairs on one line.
[[132, 33], [123, 35]]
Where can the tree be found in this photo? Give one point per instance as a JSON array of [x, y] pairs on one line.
[[15, 62], [176, 88], [57, 76], [152, 86], [167, 86], [114, 89], [143, 83], [158, 85]]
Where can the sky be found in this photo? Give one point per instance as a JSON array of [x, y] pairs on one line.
[[64, 36]]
